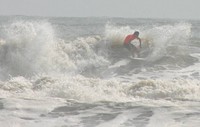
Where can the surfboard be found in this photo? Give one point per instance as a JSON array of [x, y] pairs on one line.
[[137, 58], [120, 63]]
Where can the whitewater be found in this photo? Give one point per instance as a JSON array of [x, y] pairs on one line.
[[75, 72]]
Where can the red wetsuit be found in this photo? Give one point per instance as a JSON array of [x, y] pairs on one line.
[[129, 38]]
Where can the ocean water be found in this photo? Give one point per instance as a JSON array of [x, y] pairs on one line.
[[74, 72]]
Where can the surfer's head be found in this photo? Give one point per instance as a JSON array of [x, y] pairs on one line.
[[136, 33]]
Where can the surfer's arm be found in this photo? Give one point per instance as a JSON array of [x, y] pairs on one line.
[[140, 42]]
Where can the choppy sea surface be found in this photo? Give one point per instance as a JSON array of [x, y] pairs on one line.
[[74, 72]]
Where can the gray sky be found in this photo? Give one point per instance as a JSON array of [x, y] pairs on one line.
[[176, 9]]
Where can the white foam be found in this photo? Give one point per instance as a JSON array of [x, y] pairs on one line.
[[91, 90], [115, 34], [31, 47], [167, 35]]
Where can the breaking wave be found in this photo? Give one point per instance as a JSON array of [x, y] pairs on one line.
[[35, 61]]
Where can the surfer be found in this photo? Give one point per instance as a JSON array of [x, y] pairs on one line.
[[127, 43]]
